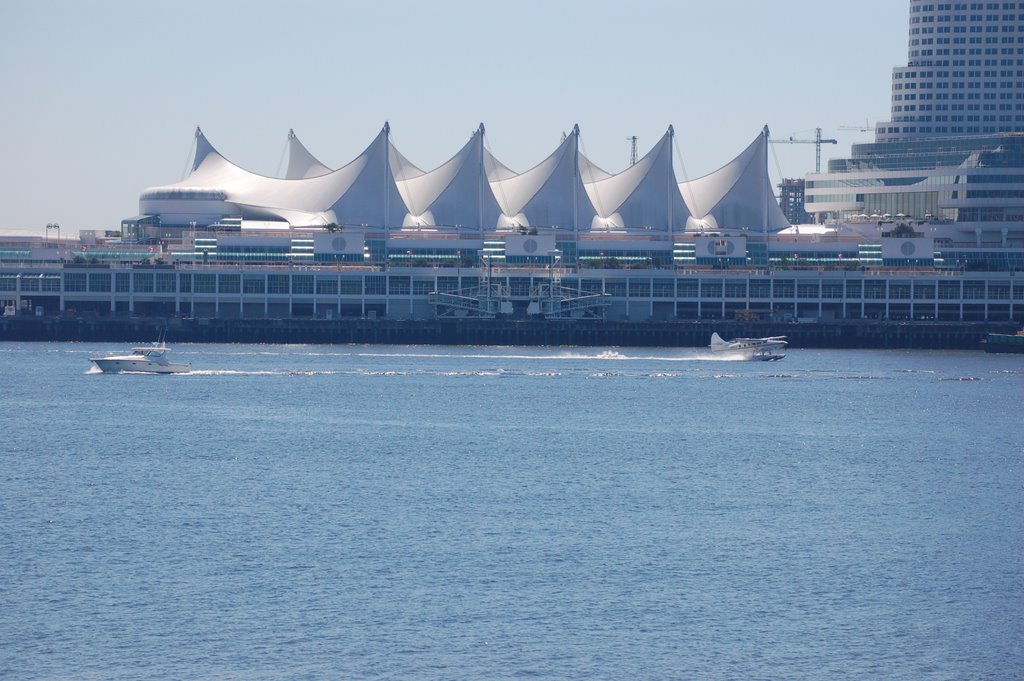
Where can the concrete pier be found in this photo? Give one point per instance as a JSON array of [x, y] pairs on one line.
[[836, 334]]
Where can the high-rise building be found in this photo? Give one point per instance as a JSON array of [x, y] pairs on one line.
[[964, 72], [791, 199], [953, 151]]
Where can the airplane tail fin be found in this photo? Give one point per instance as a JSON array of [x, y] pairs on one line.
[[717, 343]]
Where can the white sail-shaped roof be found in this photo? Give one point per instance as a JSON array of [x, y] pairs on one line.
[[738, 195], [372, 198], [301, 163], [643, 196], [473, 190], [551, 194], [590, 172], [362, 192], [401, 168], [454, 194]]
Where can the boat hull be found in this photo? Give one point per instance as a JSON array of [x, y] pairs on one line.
[[1004, 343], [118, 366]]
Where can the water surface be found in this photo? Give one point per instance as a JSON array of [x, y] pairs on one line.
[[505, 512]]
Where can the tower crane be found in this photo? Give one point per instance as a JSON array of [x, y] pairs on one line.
[[632, 149], [817, 142]]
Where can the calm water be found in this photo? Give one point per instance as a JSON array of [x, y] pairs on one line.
[[488, 513]]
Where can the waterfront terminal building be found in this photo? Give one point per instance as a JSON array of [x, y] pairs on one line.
[[563, 241], [925, 223]]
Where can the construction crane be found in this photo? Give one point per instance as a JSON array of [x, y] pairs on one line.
[[632, 149], [817, 142]]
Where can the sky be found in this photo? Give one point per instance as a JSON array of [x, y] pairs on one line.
[[100, 100]]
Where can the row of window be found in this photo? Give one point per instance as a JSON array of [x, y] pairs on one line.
[[928, 118], [920, 63], [953, 129], [932, 181], [964, 29], [962, 6], [1004, 97], [968, 41], [963, 62], [945, 7], [954, 18], [631, 288], [962, 51], [958, 85]]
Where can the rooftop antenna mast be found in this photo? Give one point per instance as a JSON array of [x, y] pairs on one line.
[[632, 149]]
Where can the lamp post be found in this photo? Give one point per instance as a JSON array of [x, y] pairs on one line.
[[553, 258]]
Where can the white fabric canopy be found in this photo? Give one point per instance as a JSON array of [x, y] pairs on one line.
[[643, 196], [301, 163], [590, 172], [454, 194], [738, 195], [354, 194], [473, 190], [549, 195]]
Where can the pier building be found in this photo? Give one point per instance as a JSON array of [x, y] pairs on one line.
[[926, 223]]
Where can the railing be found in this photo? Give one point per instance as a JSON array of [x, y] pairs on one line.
[[870, 272], [449, 304], [599, 300], [600, 237], [426, 235]]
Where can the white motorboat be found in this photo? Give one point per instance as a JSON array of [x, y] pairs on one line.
[[769, 349], [144, 360]]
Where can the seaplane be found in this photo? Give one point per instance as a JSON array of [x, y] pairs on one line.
[[769, 349]]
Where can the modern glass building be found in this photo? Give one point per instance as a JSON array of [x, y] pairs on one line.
[[953, 151]]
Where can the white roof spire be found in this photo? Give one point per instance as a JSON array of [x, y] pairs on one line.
[[736, 195]]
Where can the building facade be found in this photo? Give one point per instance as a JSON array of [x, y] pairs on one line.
[[899, 277], [952, 155], [964, 72]]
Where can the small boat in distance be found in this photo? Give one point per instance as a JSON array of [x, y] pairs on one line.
[[769, 349], [1005, 342], [144, 360]]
